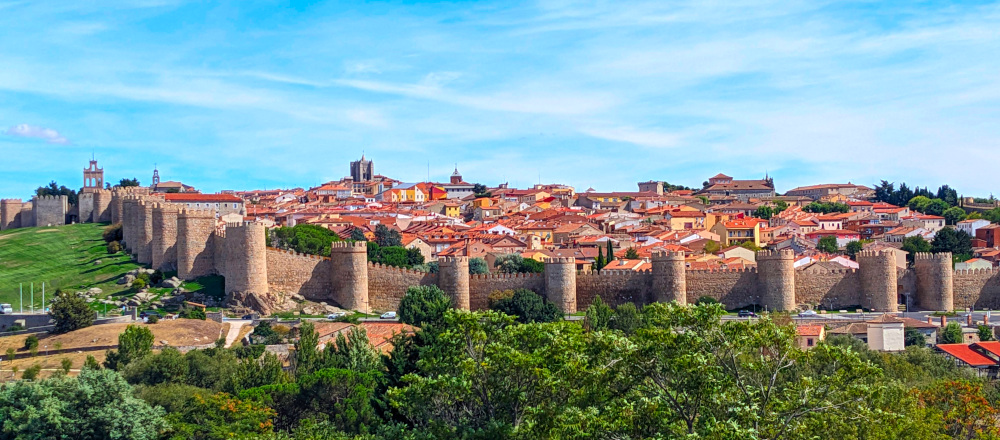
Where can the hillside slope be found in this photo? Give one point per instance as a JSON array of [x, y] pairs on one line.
[[72, 257]]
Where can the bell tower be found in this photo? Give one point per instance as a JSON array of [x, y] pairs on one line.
[[93, 177]]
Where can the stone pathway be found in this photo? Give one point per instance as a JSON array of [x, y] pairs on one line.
[[234, 331]]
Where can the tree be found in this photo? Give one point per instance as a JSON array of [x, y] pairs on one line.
[[913, 337], [528, 307], [306, 350], [386, 237], [598, 316], [66, 365], [113, 233], [358, 235], [31, 342], [828, 244], [479, 190], [31, 373], [985, 333], [134, 343], [97, 404], [953, 215], [951, 334], [478, 266], [918, 203], [914, 245], [765, 212], [220, 416], [627, 318], [959, 243], [610, 255], [168, 366], [54, 189], [70, 312], [599, 262], [712, 247], [91, 363], [853, 247], [749, 244], [304, 238], [631, 254], [423, 305], [965, 410], [125, 183], [514, 263]]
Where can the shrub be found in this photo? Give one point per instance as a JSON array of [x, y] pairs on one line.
[[138, 284], [627, 318], [31, 342], [70, 312], [498, 295], [134, 343], [31, 373], [152, 319], [15, 328], [706, 300], [192, 313], [599, 315], [528, 307], [113, 233], [114, 247]]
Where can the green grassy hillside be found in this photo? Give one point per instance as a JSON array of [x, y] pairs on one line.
[[61, 257]]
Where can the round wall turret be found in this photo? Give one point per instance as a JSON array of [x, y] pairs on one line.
[[102, 206], [164, 242], [669, 277], [246, 267], [878, 280], [453, 277], [195, 251], [350, 279], [934, 281], [560, 283], [776, 273], [144, 232], [10, 214], [117, 199]]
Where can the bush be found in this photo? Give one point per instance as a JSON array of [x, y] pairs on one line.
[[706, 300], [114, 247], [135, 343], [528, 307], [599, 315], [423, 305], [478, 266], [15, 328], [138, 284], [31, 373], [113, 233], [192, 313], [627, 318], [152, 319], [31, 343]]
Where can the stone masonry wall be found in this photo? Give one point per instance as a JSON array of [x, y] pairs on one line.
[[50, 210], [832, 289], [736, 288], [291, 272], [85, 207], [615, 287], [481, 286], [387, 285], [977, 288], [10, 214]]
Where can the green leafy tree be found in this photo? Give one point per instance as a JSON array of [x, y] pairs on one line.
[[631, 254], [514, 263], [54, 189], [31, 342], [97, 404], [423, 305], [913, 337], [307, 352], [134, 343], [712, 247], [168, 366], [953, 215], [951, 334], [599, 315], [91, 363], [959, 243], [125, 183], [478, 266], [304, 238], [32, 372], [828, 244], [853, 247], [599, 261], [914, 245], [220, 416], [387, 237], [627, 318], [70, 312], [527, 307], [985, 333], [765, 212], [358, 235], [919, 203]]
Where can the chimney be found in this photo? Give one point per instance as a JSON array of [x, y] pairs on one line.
[[944, 321], [968, 319], [930, 319]]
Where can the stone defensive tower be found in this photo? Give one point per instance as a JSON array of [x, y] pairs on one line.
[[102, 206], [560, 283], [349, 279], [117, 200], [934, 281], [164, 243], [49, 210], [195, 239], [85, 206], [246, 265], [878, 280], [669, 277], [144, 232], [10, 214], [776, 275], [453, 277]]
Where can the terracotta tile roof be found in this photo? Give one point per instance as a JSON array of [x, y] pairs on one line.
[[965, 353], [809, 330]]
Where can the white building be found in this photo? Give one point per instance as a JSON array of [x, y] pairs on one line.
[[970, 226], [885, 333]]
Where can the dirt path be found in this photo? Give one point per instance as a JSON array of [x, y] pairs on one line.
[[234, 331]]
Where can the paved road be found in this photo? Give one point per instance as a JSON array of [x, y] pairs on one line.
[[234, 331]]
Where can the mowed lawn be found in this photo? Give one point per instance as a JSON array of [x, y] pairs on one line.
[[62, 257]]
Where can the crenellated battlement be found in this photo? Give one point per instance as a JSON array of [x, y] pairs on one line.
[[298, 254], [452, 260], [505, 276], [784, 254], [667, 256], [195, 213], [560, 260], [349, 246], [927, 256], [10, 201]]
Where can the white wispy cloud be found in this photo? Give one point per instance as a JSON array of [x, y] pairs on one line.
[[33, 131]]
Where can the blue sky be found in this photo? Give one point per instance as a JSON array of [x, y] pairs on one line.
[[241, 95]]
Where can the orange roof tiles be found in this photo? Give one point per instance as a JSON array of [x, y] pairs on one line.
[[965, 353]]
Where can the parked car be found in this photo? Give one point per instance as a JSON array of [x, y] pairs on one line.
[[337, 315], [149, 313], [807, 313], [388, 315], [6, 309], [249, 317], [746, 314]]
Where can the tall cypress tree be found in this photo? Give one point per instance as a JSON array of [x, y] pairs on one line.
[[611, 254], [599, 261]]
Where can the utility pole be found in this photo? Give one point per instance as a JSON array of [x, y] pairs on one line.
[[32, 297], [43, 297], [21, 302]]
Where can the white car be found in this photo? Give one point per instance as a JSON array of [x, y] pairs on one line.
[[388, 315], [6, 309], [337, 315], [807, 313]]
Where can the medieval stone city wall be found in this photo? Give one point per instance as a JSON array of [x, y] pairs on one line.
[[615, 287], [482, 285], [734, 288], [292, 272], [84, 206], [10, 214], [829, 289], [387, 285], [979, 288], [50, 210]]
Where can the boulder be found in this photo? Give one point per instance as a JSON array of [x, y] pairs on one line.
[[94, 291], [171, 283], [298, 297], [97, 262], [127, 279]]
